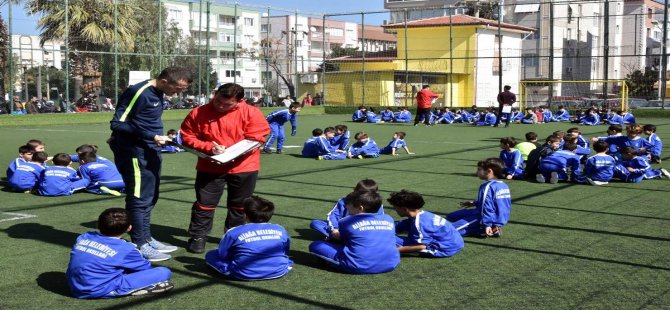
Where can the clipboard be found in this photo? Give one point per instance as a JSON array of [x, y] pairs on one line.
[[230, 154], [507, 109]]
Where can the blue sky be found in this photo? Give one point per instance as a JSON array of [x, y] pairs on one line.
[[23, 24]]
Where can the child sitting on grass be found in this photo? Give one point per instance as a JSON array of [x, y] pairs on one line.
[[558, 165], [319, 147], [368, 242], [512, 158], [341, 138], [330, 227], [102, 265], [655, 145], [102, 178], [493, 205], [256, 250], [25, 155], [26, 175], [364, 147], [599, 168], [428, 234], [633, 168], [60, 179], [396, 143]]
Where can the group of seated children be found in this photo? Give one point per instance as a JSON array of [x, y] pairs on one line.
[[332, 143], [365, 115], [96, 174], [175, 136], [566, 156]]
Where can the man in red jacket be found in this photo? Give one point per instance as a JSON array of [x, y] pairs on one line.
[[210, 128], [424, 100]]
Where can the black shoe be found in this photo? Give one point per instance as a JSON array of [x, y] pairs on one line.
[[278, 151], [267, 151], [154, 289], [196, 245]]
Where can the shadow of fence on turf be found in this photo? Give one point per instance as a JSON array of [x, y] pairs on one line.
[[587, 230], [594, 212], [545, 252]]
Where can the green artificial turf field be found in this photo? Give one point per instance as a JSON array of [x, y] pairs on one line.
[[566, 246]]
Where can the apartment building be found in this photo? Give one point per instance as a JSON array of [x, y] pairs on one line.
[[375, 39], [643, 20], [227, 29]]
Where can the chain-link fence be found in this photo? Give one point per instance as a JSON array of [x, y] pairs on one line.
[[550, 51]]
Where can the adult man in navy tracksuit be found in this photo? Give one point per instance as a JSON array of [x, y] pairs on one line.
[[137, 137]]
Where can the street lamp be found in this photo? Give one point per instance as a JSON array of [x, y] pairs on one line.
[[25, 81]]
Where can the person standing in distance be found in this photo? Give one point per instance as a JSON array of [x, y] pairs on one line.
[[424, 100], [210, 129], [506, 98], [137, 137]]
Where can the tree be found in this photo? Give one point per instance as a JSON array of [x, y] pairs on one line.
[[4, 57], [277, 55], [188, 58], [641, 85], [91, 27]]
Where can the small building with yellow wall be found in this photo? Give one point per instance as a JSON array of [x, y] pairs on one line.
[[464, 71]]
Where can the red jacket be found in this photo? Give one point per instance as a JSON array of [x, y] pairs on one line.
[[424, 98], [204, 126]]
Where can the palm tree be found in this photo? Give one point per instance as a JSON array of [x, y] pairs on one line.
[[91, 27]]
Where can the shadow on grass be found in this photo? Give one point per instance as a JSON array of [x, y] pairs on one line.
[[41, 232], [614, 233], [55, 282], [537, 251], [595, 212], [308, 234]]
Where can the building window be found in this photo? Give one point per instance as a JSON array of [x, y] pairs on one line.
[[496, 55], [226, 20], [530, 60], [596, 19], [248, 21], [650, 14], [298, 43], [225, 37], [248, 39], [174, 14], [231, 73], [265, 27]]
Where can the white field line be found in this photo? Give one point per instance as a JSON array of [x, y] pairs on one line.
[[17, 216]]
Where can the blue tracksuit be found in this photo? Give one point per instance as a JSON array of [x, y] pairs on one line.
[[561, 116], [386, 115], [254, 251], [60, 181], [615, 119], [516, 116], [172, 148], [623, 141], [559, 162], [583, 142], [599, 168], [338, 212], [655, 145], [394, 144], [446, 118], [437, 234], [371, 117], [403, 117], [628, 119], [489, 119], [15, 164], [26, 176], [492, 209], [513, 162], [340, 142], [101, 174], [320, 146], [276, 121], [547, 116], [368, 149], [641, 170], [358, 116], [368, 245], [591, 120], [107, 267]]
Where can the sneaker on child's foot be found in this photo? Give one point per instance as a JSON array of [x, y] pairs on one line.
[[554, 178], [109, 191], [360, 156], [319, 158], [160, 247], [497, 231], [539, 178], [154, 289], [278, 151], [152, 254], [665, 173], [267, 151], [196, 245], [591, 181]]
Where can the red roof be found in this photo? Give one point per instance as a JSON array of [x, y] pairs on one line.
[[458, 20]]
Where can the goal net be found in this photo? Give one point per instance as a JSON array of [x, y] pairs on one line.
[[573, 95]]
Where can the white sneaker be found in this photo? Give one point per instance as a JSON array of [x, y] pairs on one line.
[[554, 178], [596, 183], [539, 178], [160, 247], [154, 289], [152, 254], [665, 173], [109, 191]]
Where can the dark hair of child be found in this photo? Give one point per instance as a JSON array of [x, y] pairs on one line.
[[401, 134], [574, 129], [406, 199], [40, 157], [627, 150], [634, 129], [552, 139], [531, 136], [87, 148], [362, 107], [34, 143], [559, 133], [495, 164], [369, 200], [366, 185], [341, 128], [317, 132], [329, 129], [615, 128], [258, 210], [509, 141], [61, 159], [360, 135], [172, 132], [26, 149], [569, 146], [295, 105], [88, 157], [570, 139], [600, 146], [113, 222], [650, 127]]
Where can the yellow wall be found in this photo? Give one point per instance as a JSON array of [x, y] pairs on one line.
[[346, 88]]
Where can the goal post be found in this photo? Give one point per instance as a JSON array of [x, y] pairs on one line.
[[573, 94]]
